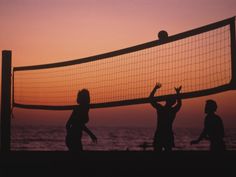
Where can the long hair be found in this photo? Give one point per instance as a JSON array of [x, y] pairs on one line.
[[83, 97]]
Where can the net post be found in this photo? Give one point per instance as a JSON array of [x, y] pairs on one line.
[[12, 100], [6, 102], [233, 52]]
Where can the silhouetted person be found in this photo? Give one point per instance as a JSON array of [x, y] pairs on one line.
[[213, 128], [76, 123], [166, 114]]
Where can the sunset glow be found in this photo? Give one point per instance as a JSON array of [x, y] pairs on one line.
[[40, 32]]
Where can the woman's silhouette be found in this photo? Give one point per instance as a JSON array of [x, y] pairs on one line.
[[76, 123]]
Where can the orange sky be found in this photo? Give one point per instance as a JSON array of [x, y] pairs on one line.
[[50, 31]]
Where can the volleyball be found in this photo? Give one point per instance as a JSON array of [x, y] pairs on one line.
[[162, 35]]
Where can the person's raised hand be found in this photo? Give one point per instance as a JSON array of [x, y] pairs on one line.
[[158, 85], [178, 89]]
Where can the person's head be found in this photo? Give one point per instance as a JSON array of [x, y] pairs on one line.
[[83, 97], [170, 101], [210, 106]]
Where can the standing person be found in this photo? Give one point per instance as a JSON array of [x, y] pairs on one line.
[[76, 123], [213, 128], [166, 114]]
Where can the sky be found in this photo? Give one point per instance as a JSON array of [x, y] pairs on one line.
[[40, 32]]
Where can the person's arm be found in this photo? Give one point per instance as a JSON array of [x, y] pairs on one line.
[[202, 135], [92, 136], [222, 128], [151, 96], [179, 101], [69, 122]]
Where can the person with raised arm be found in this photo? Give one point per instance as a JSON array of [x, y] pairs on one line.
[[164, 137]]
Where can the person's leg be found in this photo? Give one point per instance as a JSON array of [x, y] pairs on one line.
[[223, 148], [168, 142], [168, 146], [69, 142], [157, 146], [74, 144], [217, 145]]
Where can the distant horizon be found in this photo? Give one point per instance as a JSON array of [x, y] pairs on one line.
[[112, 126]]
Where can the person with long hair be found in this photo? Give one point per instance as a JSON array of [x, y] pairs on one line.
[[76, 124]]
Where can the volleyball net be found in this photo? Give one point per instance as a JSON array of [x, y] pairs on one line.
[[202, 60]]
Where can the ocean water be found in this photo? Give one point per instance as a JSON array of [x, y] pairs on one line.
[[51, 138]]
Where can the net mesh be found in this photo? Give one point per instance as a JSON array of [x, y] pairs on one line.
[[198, 62]]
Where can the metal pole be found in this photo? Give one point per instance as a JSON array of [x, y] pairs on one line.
[[6, 102], [233, 53]]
